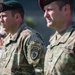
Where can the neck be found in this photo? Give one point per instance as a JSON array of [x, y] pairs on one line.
[[14, 30], [64, 26]]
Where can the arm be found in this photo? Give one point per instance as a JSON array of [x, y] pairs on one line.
[[35, 53]]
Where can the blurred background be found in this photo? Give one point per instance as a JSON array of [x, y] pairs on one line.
[[34, 18]]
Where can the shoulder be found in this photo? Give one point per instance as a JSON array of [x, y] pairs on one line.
[[26, 32]]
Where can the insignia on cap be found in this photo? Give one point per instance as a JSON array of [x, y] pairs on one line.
[[1, 7], [34, 53]]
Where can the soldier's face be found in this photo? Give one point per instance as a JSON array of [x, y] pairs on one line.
[[54, 16], [7, 20]]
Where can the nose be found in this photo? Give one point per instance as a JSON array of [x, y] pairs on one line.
[[46, 14]]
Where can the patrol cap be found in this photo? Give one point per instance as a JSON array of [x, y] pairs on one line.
[[10, 5]]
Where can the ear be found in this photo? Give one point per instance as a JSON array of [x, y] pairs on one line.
[[66, 9], [17, 17]]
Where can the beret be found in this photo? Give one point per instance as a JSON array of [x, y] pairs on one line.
[[42, 3], [10, 5]]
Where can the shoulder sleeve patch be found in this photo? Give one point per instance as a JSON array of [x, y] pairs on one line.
[[34, 52]]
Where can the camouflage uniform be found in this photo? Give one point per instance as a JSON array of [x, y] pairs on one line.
[[60, 56], [23, 53]]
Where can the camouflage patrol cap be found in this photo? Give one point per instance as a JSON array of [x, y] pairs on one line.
[[10, 5]]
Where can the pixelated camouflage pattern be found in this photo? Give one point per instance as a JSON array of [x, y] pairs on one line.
[[60, 56], [23, 53]]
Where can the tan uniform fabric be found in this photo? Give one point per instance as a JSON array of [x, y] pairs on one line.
[[23, 53], [60, 56]]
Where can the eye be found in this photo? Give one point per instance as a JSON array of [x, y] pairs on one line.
[[0, 16], [4, 16], [49, 9]]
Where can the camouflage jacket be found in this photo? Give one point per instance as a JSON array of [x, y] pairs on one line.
[[60, 56], [23, 53]]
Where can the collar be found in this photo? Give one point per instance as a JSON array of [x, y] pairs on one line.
[[64, 36], [8, 39]]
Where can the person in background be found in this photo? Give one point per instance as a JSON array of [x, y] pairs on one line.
[[60, 55], [2, 37], [23, 48]]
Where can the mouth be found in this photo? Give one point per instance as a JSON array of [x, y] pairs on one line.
[[3, 25], [48, 20]]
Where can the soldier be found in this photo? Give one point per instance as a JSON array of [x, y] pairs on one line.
[[60, 55], [23, 48]]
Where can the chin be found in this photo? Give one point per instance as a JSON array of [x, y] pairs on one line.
[[49, 25]]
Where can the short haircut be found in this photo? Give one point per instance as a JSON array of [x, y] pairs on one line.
[[62, 3], [20, 11]]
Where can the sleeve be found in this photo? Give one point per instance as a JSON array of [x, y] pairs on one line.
[[35, 53]]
